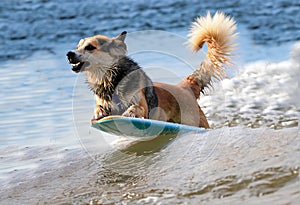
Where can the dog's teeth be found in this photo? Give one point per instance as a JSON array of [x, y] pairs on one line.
[[75, 64]]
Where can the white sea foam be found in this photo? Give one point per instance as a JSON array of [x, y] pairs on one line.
[[263, 93]]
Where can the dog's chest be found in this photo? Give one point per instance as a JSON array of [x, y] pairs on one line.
[[114, 100], [121, 86]]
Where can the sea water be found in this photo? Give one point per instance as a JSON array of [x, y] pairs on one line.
[[50, 155]]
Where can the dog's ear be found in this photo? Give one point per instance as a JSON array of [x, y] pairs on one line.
[[121, 36]]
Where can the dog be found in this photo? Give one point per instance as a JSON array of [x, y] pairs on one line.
[[121, 87]]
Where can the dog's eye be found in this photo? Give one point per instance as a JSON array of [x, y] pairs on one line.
[[90, 48]]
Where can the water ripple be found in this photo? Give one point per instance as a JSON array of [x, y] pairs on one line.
[[30, 26]]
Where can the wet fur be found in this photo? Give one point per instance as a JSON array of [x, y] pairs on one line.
[[121, 87]]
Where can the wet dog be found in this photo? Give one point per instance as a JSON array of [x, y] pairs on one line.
[[121, 87]]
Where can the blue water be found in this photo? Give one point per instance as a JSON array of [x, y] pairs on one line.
[[44, 104], [36, 82], [30, 26]]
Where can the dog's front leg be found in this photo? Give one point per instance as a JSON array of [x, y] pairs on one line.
[[139, 109], [99, 111], [135, 111]]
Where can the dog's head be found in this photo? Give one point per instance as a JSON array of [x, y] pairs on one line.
[[97, 53]]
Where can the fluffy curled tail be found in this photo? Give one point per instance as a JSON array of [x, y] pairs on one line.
[[218, 32]]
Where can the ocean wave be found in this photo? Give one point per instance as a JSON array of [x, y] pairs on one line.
[[263, 93], [30, 26]]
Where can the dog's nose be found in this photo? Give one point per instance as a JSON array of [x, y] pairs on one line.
[[70, 55]]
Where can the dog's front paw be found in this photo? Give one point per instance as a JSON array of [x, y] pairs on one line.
[[99, 113], [130, 112], [134, 111], [98, 116]]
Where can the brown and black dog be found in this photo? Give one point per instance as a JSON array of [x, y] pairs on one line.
[[121, 87]]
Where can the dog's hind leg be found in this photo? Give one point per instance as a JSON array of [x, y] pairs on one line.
[[135, 111], [138, 110]]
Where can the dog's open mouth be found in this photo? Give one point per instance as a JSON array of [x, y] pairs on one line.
[[74, 60], [76, 67]]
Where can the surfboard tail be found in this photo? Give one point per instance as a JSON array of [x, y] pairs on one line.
[[218, 32]]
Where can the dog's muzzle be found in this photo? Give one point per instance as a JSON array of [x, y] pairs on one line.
[[74, 61]]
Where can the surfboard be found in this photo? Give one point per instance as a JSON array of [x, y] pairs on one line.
[[141, 128]]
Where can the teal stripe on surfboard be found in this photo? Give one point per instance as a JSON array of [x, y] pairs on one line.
[[141, 128]]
